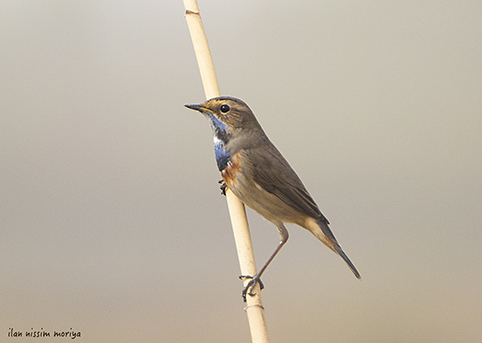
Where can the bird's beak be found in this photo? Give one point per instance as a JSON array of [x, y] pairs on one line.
[[196, 107]]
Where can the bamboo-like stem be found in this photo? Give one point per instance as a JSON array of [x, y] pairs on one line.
[[247, 264], [237, 212]]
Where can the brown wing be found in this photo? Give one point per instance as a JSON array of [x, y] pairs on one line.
[[273, 173]]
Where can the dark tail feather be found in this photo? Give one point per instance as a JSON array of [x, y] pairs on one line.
[[336, 247], [345, 258]]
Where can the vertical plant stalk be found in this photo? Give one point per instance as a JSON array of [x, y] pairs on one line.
[[237, 211]]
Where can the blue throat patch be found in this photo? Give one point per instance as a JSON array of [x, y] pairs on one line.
[[222, 155], [221, 137], [217, 124]]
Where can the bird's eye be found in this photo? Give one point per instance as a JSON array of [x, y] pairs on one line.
[[225, 108]]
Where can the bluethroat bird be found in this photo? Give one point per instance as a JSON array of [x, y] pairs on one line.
[[256, 172]]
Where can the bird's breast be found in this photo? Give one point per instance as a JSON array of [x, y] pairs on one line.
[[233, 167], [222, 155]]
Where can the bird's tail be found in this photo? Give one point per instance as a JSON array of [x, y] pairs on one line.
[[326, 236]]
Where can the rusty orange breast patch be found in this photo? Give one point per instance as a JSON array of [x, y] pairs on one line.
[[234, 167]]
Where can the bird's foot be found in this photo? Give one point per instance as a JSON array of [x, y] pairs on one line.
[[222, 187], [248, 290]]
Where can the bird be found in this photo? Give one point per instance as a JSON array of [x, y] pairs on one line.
[[258, 174]]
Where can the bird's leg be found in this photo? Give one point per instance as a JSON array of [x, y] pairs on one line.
[[251, 285], [244, 277], [283, 236], [222, 187]]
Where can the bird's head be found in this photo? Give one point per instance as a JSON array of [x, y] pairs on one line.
[[228, 115]]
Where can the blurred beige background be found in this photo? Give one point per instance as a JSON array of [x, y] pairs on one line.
[[111, 219]]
